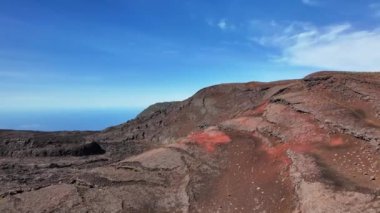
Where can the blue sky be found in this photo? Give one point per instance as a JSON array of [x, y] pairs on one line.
[[79, 54]]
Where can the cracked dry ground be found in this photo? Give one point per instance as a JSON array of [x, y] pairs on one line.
[[309, 145]]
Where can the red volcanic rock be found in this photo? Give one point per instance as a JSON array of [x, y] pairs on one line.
[[308, 145]]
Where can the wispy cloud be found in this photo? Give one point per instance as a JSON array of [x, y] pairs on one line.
[[336, 47], [310, 2], [375, 8], [223, 24]]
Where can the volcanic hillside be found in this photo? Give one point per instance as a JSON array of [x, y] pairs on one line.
[[308, 145]]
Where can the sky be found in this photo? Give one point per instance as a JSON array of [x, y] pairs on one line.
[[103, 54]]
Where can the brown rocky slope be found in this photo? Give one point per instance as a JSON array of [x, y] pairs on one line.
[[308, 145]]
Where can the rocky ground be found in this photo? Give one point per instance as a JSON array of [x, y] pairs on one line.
[[308, 145]]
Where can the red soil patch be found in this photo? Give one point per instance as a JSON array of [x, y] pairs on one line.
[[336, 141], [209, 139], [279, 152]]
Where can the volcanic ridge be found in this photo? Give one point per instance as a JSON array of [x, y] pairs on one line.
[[307, 145]]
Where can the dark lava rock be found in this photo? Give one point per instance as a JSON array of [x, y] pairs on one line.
[[85, 149]]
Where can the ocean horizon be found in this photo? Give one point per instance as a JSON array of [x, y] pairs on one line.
[[65, 120]]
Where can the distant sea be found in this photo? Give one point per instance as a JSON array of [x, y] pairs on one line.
[[61, 120]]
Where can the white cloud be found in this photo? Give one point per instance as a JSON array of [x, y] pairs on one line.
[[337, 47]]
